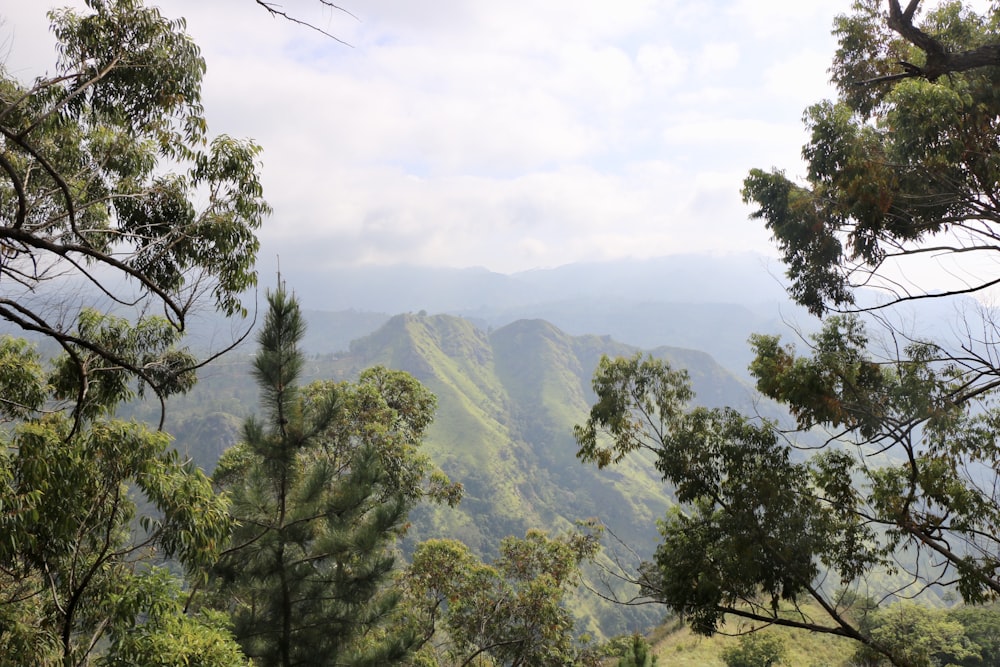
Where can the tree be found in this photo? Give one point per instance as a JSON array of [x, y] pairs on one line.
[[761, 527], [638, 653], [753, 525], [756, 649], [920, 636], [982, 627], [510, 612], [167, 636], [888, 481], [901, 167], [320, 491], [102, 165], [74, 562]]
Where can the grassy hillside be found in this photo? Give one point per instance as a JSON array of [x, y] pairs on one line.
[[676, 646], [508, 401]]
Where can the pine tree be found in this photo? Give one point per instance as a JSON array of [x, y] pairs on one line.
[[639, 654], [316, 510]]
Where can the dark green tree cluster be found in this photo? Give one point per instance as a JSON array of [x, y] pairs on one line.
[[638, 653], [755, 649], [751, 531], [964, 636]]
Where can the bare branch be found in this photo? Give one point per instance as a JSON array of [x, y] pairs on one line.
[[273, 9]]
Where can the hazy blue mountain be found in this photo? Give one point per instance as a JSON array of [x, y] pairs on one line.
[[710, 303], [746, 279]]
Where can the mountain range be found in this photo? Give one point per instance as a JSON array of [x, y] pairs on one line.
[[508, 399], [703, 302]]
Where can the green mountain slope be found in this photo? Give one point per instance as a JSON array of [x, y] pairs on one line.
[[507, 403]]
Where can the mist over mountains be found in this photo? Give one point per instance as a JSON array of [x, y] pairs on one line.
[[510, 359], [747, 279], [701, 302]]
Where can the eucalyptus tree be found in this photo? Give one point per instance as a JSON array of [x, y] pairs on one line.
[[110, 185], [901, 166], [512, 611], [77, 557]]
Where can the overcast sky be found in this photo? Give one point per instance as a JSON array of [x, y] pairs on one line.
[[504, 134]]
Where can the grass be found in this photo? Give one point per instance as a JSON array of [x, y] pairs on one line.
[[677, 646]]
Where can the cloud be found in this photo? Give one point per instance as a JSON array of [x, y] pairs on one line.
[[508, 135], [661, 65]]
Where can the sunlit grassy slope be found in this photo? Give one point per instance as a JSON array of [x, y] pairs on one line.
[[508, 401], [676, 646]]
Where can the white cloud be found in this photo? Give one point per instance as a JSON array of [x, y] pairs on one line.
[[781, 18], [717, 57], [507, 135], [661, 65]]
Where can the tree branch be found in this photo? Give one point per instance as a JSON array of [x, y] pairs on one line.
[[939, 61], [273, 9]]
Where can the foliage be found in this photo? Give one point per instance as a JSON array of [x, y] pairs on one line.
[[901, 166], [102, 164], [111, 184], [940, 426], [898, 167], [756, 649], [71, 563], [636, 396], [320, 491], [753, 525], [511, 611], [917, 636], [982, 627], [757, 527], [167, 636], [638, 653]]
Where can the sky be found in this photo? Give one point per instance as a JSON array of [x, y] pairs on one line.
[[509, 135]]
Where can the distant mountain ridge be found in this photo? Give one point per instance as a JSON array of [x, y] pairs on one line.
[[709, 303], [747, 279], [704, 302], [513, 395]]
